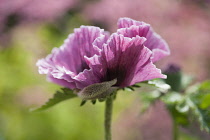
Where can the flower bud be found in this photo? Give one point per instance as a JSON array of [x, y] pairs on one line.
[[174, 77]]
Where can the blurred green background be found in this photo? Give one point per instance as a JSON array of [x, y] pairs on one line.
[[29, 29]]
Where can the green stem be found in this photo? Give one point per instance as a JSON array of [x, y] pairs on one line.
[[175, 130], [108, 118]]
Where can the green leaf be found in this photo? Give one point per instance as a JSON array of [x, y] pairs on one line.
[[186, 81], [205, 87], [151, 91], [58, 97], [205, 101], [194, 104], [154, 85], [182, 107], [172, 98], [180, 117], [202, 115], [176, 105], [159, 85], [199, 102]]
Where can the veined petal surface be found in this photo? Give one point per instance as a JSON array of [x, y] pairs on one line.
[[131, 28], [67, 64]]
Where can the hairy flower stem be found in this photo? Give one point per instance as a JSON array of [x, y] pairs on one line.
[[175, 130], [108, 118]]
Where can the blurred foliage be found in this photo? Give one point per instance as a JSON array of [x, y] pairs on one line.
[[185, 105], [13, 62], [53, 34]]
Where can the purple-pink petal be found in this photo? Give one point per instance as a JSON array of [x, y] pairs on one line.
[[127, 22], [131, 28], [61, 82], [124, 58], [67, 63], [86, 78]]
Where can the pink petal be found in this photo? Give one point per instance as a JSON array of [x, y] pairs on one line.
[[127, 22], [132, 28], [85, 78], [61, 82], [125, 59], [66, 62]]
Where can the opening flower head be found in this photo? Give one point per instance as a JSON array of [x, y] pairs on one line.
[[91, 57]]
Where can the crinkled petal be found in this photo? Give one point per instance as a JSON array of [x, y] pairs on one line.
[[61, 82], [127, 22], [125, 59], [55, 74], [78, 45], [134, 31], [132, 28], [99, 42], [157, 45], [67, 63], [84, 38], [85, 78], [98, 66]]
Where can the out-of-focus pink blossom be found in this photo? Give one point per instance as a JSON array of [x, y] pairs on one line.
[[33, 10], [46, 9], [36, 9], [154, 124], [149, 11]]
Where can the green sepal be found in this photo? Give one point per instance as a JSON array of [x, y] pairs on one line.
[[128, 89], [83, 102], [93, 102], [98, 90]]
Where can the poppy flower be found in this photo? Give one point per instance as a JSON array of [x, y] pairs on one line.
[[91, 57]]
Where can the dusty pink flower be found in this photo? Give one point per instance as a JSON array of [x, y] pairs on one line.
[[33, 10], [90, 55], [36, 9]]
